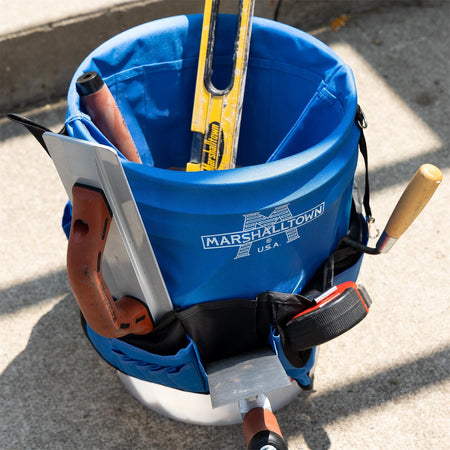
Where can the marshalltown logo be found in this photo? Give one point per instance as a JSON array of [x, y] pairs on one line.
[[267, 232]]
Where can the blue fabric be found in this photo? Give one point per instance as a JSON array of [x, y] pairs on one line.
[[267, 225], [67, 219], [181, 371], [300, 374], [299, 110]]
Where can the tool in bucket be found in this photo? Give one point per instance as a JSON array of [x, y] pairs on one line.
[[246, 379], [342, 307], [251, 407], [217, 112], [108, 241], [416, 195], [104, 112], [215, 123]]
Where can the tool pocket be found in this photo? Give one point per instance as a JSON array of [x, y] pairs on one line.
[[305, 133], [224, 328], [180, 370], [307, 359]]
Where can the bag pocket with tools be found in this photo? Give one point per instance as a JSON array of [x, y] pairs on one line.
[[180, 369]]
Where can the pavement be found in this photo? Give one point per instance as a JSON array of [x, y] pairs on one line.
[[384, 384]]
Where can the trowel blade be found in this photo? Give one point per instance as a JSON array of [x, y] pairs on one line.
[[243, 376]]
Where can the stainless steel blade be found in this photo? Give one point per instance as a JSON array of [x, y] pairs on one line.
[[130, 266], [243, 376]]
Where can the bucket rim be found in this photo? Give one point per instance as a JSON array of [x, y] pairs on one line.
[[266, 171]]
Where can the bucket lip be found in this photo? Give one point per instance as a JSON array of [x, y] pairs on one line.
[[263, 172]]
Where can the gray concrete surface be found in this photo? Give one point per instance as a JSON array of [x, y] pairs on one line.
[[383, 385], [42, 41]]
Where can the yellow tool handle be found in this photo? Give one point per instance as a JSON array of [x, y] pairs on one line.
[[416, 195], [217, 113]]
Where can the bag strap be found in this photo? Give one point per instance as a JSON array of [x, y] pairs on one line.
[[361, 121], [36, 129]]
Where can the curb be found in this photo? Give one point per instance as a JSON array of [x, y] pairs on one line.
[[38, 63]]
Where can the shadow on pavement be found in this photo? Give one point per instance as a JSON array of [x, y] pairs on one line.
[[51, 116], [409, 56], [60, 393]]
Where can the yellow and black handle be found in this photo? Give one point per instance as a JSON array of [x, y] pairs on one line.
[[216, 114]]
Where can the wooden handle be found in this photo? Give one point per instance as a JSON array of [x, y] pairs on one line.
[[91, 220], [416, 195], [261, 430], [105, 114]]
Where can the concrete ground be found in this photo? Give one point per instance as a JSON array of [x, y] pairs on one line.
[[382, 385]]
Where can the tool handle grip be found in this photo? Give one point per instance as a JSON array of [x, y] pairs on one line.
[[261, 430], [91, 220], [416, 195], [105, 113]]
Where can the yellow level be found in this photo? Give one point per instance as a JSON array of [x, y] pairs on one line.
[[216, 115]]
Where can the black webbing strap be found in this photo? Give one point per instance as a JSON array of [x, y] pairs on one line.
[[36, 129], [362, 124]]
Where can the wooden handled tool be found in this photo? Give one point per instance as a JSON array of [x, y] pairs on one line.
[[261, 429], [416, 195], [104, 112], [91, 220], [217, 112], [110, 255]]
